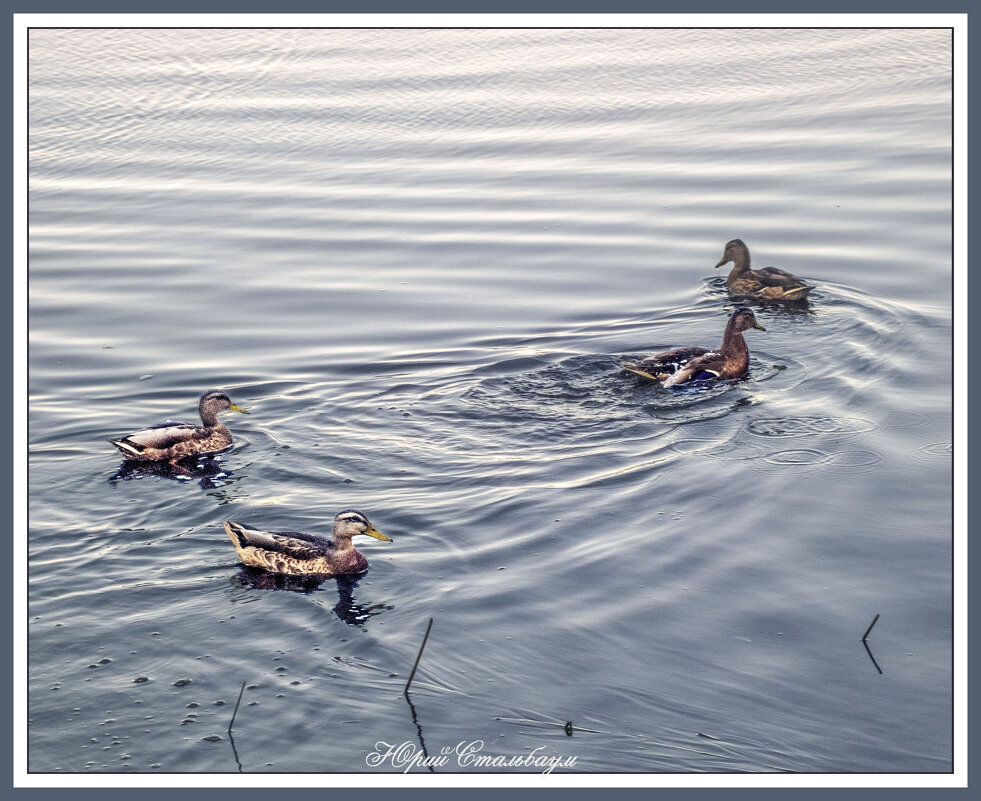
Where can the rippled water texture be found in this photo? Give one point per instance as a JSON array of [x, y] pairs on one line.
[[419, 257]]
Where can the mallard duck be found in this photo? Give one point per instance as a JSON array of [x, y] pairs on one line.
[[174, 441], [303, 554], [770, 283], [731, 360]]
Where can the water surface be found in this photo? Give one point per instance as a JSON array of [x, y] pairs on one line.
[[418, 257]]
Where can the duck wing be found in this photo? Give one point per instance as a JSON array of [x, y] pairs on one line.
[[293, 544], [707, 365], [774, 276], [158, 437], [772, 287], [666, 363]]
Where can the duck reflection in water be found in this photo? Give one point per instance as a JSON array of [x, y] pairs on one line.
[[206, 470], [346, 608]]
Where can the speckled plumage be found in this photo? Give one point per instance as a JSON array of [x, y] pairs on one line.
[[770, 283], [172, 441], [295, 553], [730, 360]]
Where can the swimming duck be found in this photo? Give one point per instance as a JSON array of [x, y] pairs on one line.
[[174, 441], [731, 360], [770, 283], [303, 554]]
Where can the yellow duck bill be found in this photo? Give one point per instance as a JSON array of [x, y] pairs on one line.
[[374, 532]]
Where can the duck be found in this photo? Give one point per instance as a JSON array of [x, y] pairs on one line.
[[172, 441], [294, 553], [770, 283], [677, 366]]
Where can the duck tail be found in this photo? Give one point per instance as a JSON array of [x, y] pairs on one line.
[[236, 533], [126, 447], [244, 537], [634, 368]]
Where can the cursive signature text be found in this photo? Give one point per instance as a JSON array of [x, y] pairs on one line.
[[407, 756]]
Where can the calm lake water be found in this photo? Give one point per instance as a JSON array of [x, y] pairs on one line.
[[418, 257]]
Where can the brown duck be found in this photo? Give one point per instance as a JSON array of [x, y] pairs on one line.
[[173, 441], [770, 283], [294, 553], [731, 360]]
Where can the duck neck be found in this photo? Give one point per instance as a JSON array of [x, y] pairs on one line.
[[209, 417], [740, 263], [342, 543], [733, 343]]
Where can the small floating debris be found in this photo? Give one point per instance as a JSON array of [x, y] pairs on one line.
[[182, 682]]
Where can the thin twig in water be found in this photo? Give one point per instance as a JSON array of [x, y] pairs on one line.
[[235, 712], [869, 652], [418, 657], [874, 621]]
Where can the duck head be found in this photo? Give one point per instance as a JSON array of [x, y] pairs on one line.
[[736, 252], [214, 401], [743, 319], [351, 523]]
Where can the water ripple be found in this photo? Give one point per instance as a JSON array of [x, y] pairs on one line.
[[938, 451], [806, 426]]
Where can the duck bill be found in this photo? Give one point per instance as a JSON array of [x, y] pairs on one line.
[[236, 408], [760, 327], [724, 260], [374, 532]]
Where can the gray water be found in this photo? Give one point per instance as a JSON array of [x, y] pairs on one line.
[[418, 257]]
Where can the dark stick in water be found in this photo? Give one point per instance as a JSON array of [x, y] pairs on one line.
[[235, 712], [874, 621], [418, 656]]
